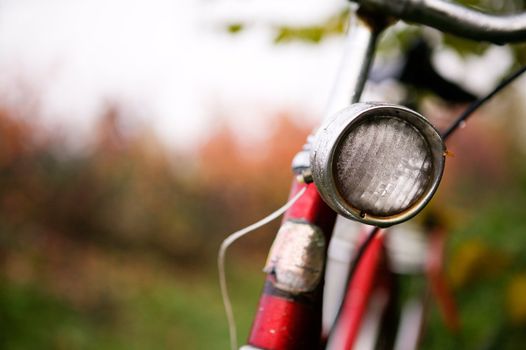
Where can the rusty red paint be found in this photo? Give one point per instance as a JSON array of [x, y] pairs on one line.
[[311, 208], [358, 295], [293, 321], [285, 324]]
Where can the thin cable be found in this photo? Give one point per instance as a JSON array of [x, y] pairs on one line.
[[350, 275], [476, 104], [221, 262]]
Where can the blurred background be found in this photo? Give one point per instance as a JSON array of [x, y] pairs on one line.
[[134, 136]]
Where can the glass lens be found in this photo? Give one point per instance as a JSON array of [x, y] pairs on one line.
[[382, 166]]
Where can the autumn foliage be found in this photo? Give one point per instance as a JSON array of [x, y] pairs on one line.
[[128, 191], [125, 215], [104, 228]]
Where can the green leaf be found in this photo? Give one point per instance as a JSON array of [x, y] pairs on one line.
[[235, 28]]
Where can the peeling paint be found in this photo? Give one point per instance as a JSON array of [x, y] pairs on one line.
[[297, 257]]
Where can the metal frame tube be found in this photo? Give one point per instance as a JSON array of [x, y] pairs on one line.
[[455, 19], [360, 43], [358, 55], [290, 319]]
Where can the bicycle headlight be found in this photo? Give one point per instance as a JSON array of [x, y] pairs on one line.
[[376, 163]]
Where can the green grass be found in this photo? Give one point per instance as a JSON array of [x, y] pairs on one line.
[[149, 304], [183, 312]]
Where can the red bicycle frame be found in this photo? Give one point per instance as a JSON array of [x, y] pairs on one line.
[[289, 313], [288, 319]]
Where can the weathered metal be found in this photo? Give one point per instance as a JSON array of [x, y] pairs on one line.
[[328, 140]]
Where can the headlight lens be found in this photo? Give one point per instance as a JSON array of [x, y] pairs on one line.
[[376, 163]]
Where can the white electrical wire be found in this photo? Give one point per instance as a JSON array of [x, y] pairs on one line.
[[221, 262]]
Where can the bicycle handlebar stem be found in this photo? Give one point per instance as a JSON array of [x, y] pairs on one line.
[[358, 55], [454, 19], [360, 44]]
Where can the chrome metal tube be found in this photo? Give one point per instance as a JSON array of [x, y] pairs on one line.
[[354, 67], [454, 19], [360, 43], [359, 52]]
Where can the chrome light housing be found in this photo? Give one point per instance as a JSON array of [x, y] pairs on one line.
[[377, 163]]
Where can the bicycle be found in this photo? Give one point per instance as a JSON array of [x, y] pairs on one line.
[[378, 164]]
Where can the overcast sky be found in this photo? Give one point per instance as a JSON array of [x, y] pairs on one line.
[[170, 61]]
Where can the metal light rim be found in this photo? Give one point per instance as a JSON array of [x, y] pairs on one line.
[[328, 139]]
